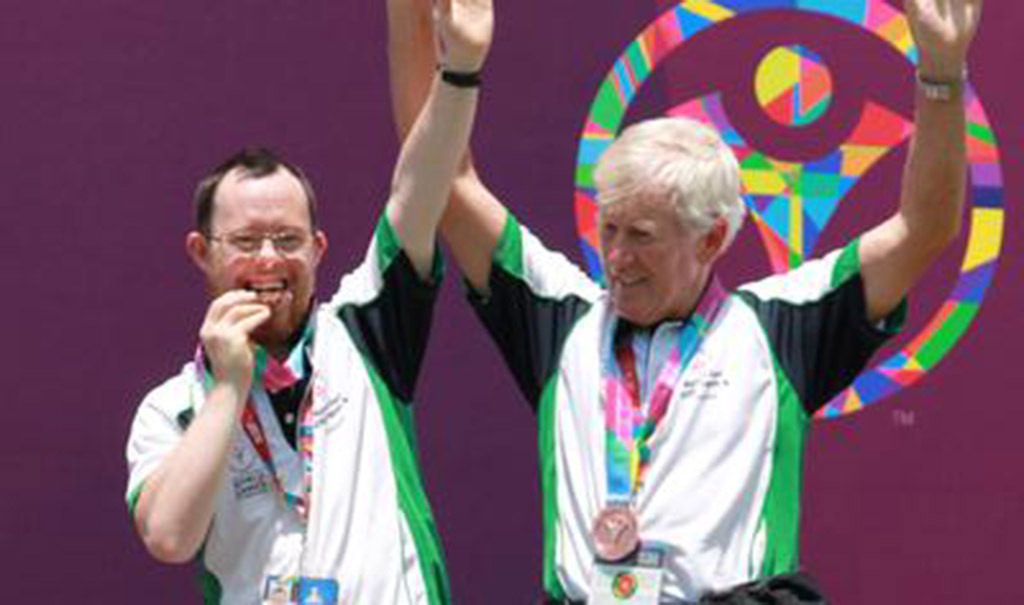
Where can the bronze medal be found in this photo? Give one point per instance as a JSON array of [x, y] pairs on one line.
[[616, 534]]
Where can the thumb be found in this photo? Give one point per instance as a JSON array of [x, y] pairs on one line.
[[442, 9]]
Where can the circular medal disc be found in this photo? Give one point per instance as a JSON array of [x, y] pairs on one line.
[[616, 534]]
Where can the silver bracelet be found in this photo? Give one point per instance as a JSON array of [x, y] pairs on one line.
[[941, 90]]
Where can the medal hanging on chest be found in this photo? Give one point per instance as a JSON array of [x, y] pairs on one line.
[[630, 422]]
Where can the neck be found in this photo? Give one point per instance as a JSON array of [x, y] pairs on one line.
[[280, 349]]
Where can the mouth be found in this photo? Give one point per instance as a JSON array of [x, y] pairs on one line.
[[621, 282], [270, 293]]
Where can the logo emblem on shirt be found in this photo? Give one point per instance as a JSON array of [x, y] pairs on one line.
[[247, 473], [242, 458]]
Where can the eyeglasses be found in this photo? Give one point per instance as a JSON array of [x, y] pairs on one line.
[[250, 244]]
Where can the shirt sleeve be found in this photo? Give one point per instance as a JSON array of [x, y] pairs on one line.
[[158, 426], [387, 309], [816, 321], [535, 296]]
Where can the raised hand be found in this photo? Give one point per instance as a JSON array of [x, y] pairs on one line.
[[943, 30], [229, 321], [465, 28]]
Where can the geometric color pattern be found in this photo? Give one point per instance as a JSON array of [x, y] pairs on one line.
[[792, 85], [791, 202]]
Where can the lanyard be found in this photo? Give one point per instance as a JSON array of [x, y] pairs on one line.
[[254, 430], [629, 421]]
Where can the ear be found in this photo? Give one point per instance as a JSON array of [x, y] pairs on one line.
[[198, 249], [319, 246], [712, 243]]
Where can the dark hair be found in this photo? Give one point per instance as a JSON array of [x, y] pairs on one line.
[[255, 163]]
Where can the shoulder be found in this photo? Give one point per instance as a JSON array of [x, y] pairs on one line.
[[172, 400], [548, 273], [809, 282]]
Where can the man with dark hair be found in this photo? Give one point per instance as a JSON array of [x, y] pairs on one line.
[[255, 163], [281, 455]]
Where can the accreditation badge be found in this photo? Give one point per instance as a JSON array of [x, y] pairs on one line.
[[280, 590], [318, 591], [635, 580]]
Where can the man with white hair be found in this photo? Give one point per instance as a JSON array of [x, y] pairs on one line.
[[672, 413]]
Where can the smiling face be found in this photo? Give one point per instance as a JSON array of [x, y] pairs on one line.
[[246, 209], [655, 265], [668, 192]]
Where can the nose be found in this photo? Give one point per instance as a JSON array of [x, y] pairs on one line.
[[616, 256], [267, 248]]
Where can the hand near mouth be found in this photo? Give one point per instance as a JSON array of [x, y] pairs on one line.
[[229, 323]]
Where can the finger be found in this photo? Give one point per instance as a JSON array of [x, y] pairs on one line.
[[241, 312], [226, 301], [974, 11], [440, 13], [436, 31], [228, 318], [443, 8], [250, 322]]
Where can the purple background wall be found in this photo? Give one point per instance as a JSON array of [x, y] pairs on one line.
[[110, 111]]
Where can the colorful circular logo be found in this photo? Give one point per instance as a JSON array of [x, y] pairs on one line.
[[624, 585], [790, 203]]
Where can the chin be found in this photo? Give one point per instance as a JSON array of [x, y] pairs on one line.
[[276, 332], [269, 339], [632, 315]]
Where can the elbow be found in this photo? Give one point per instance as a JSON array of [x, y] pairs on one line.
[[944, 234], [166, 544], [169, 549], [953, 230], [930, 247], [931, 235]]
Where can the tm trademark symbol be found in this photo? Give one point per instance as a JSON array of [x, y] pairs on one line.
[[903, 418]]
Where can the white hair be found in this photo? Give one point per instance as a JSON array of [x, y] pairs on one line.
[[682, 161]]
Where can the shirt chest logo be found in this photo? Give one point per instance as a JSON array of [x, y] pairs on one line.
[[247, 474], [704, 381]]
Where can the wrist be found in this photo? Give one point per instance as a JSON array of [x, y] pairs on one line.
[[933, 66], [460, 78], [940, 85], [230, 393]]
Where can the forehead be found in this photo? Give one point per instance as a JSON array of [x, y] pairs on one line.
[[646, 208], [273, 200]]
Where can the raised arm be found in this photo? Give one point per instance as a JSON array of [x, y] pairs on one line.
[[437, 135], [474, 218], [897, 252]]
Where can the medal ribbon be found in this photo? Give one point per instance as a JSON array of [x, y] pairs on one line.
[[271, 376], [629, 421]]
